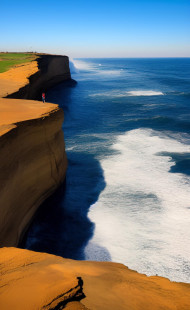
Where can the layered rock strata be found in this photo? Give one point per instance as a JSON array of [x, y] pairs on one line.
[[32, 162], [32, 281]]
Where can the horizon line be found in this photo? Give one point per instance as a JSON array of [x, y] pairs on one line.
[[98, 57]]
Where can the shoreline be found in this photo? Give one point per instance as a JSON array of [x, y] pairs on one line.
[[47, 71], [106, 285]]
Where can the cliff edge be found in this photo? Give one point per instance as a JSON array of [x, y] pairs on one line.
[[44, 281], [51, 70], [32, 162], [16, 77]]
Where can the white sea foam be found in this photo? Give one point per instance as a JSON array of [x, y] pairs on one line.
[[78, 65], [109, 73], [143, 216], [73, 68], [82, 65], [118, 94], [70, 148], [144, 93], [111, 93]]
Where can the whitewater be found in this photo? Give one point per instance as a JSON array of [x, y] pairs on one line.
[[149, 228], [127, 195]]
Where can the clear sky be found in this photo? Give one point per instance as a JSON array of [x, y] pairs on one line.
[[97, 28]]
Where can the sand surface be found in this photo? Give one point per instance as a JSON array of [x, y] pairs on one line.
[[15, 110], [38, 279], [17, 77]]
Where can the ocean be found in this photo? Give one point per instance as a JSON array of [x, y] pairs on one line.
[[127, 193]]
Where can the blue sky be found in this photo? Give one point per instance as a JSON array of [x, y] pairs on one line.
[[130, 28]]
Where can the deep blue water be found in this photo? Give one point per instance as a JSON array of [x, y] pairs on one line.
[[127, 194]]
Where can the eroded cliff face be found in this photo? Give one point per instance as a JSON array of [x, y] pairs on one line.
[[32, 162], [52, 69], [44, 281]]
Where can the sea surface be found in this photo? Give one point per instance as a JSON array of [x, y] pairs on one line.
[[127, 192]]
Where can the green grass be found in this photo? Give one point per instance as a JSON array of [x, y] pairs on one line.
[[8, 60]]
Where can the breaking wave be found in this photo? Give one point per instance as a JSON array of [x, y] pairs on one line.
[[144, 209], [117, 94], [144, 93]]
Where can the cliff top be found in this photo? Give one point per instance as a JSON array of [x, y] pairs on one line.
[[44, 281], [13, 111], [8, 60], [16, 77], [31, 71]]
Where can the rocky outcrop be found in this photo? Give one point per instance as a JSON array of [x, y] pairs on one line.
[[44, 281], [52, 69], [32, 162]]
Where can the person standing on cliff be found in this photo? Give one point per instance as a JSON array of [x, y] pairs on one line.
[[43, 97]]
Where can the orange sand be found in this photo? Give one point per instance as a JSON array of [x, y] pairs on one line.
[[17, 77], [35, 279], [16, 110]]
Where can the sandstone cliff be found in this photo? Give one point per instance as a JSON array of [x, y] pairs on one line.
[[52, 69], [32, 165], [32, 162], [32, 281]]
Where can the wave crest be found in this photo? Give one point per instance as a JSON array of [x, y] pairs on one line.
[[118, 94], [144, 93]]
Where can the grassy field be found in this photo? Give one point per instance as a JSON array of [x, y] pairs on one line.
[[8, 60]]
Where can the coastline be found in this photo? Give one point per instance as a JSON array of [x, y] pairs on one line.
[[106, 285], [31, 79], [32, 144]]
